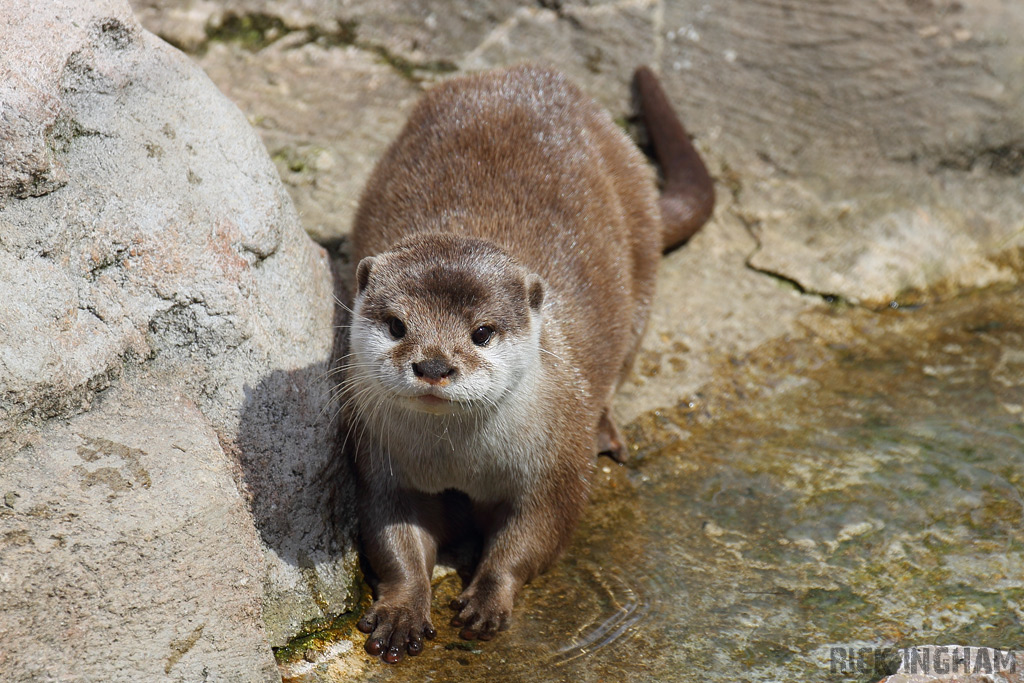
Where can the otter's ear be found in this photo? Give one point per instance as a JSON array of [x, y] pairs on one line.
[[363, 273], [534, 291]]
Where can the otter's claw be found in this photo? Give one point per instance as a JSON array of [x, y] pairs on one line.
[[480, 617], [394, 630]]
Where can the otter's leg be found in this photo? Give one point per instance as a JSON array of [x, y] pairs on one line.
[[609, 440], [400, 538], [523, 540]]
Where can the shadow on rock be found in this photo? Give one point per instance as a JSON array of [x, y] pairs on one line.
[[299, 486]]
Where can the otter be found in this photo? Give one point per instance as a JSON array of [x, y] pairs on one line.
[[507, 244]]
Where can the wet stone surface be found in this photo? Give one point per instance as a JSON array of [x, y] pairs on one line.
[[855, 485]]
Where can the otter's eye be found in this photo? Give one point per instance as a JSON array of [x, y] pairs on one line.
[[482, 335], [396, 327]]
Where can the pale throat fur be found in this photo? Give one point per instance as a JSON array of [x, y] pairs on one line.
[[464, 430]]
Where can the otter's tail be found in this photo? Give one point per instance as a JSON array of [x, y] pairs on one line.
[[688, 194]]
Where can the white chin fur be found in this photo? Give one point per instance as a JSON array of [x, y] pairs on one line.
[[442, 407]]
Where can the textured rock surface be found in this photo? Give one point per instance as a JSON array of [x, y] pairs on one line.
[[873, 149], [128, 552], [148, 249]]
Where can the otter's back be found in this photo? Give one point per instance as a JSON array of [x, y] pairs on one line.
[[523, 158]]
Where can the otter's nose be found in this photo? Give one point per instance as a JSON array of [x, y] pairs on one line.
[[433, 370]]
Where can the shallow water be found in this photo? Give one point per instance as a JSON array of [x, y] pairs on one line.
[[860, 486]]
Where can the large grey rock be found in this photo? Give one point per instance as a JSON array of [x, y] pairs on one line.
[[127, 551], [148, 249]]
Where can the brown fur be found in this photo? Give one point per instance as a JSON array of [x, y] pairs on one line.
[[509, 199], [688, 195]]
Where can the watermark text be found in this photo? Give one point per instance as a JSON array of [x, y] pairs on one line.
[[926, 659]]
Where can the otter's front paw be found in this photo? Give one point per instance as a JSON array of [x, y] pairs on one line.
[[394, 628], [482, 613]]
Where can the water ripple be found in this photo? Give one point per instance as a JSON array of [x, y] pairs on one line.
[[630, 606]]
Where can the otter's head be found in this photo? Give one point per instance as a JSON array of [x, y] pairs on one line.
[[443, 324]]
